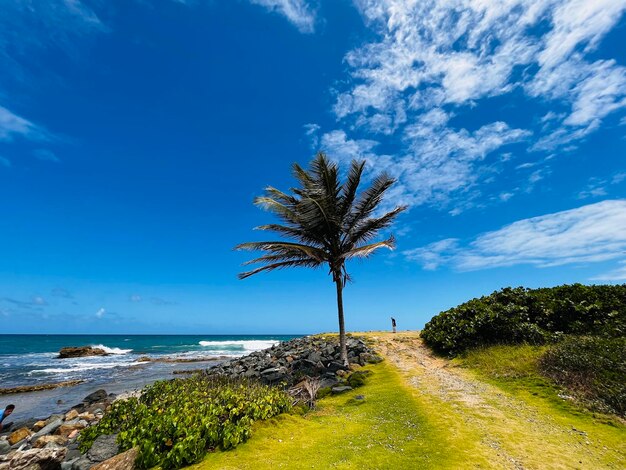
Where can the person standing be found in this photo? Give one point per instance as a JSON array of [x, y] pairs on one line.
[[7, 412], [393, 324]]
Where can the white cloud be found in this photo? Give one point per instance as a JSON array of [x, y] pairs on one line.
[[12, 125], [588, 234], [100, 313], [135, 298], [433, 59], [298, 12]]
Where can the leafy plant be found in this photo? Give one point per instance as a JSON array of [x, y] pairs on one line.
[[329, 222], [534, 316], [176, 422], [592, 368]]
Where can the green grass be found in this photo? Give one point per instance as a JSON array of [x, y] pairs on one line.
[[387, 430], [514, 369]]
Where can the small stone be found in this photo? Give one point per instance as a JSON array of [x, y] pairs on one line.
[[19, 435], [341, 389], [71, 415], [73, 434]]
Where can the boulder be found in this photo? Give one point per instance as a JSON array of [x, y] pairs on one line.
[[98, 395], [103, 448], [19, 435], [81, 351], [33, 459], [48, 429], [123, 461], [43, 441], [82, 463], [87, 416], [71, 415], [66, 430], [54, 418], [5, 447], [39, 425]]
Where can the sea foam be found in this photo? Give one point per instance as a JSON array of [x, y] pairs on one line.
[[108, 350]]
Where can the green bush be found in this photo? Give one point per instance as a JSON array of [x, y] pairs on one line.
[[592, 368], [176, 422], [534, 316], [357, 379]]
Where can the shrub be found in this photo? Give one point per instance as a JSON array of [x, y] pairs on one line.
[[592, 368], [533, 316], [357, 379], [176, 422]]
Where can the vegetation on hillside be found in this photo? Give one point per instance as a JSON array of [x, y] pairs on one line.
[[176, 422], [534, 316], [327, 222]]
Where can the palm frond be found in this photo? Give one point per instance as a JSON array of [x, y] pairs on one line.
[[366, 250], [369, 228], [285, 248], [272, 267]]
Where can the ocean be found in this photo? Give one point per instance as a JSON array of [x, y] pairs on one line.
[[32, 360]]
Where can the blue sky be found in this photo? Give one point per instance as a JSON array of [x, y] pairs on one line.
[[134, 136]]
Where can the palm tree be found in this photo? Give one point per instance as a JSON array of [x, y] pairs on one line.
[[328, 222]]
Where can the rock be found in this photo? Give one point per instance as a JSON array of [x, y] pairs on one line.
[[5, 447], [48, 429], [73, 434], [82, 464], [341, 389], [103, 448], [123, 461], [66, 430], [54, 418], [39, 425], [34, 459], [98, 395], [43, 441], [71, 415], [19, 435], [87, 416], [81, 351]]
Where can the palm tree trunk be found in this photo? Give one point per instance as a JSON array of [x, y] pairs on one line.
[[342, 326]]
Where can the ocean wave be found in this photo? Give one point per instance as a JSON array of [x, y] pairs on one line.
[[80, 368], [108, 350], [239, 345]]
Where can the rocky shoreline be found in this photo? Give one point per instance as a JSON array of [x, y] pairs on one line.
[[52, 444]]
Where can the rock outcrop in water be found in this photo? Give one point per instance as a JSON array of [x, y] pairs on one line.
[[81, 351]]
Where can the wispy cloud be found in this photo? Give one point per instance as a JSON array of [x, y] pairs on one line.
[[588, 234], [299, 12], [46, 155], [434, 58], [13, 126], [100, 312], [618, 274]]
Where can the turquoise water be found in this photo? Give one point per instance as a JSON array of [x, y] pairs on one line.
[[32, 360]]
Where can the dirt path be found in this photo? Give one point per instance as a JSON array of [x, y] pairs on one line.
[[506, 431]]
